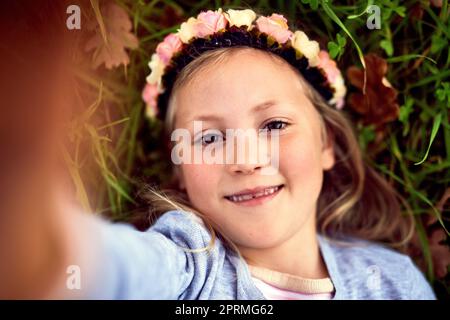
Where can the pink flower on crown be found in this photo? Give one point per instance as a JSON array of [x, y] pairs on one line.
[[168, 47], [334, 77], [209, 22], [329, 66], [150, 96], [340, 103], [275, 26]]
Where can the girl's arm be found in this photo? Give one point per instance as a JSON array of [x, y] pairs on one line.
[[58, 252], [45, 244], [48, 249], [135, 265], [41, 237], [32, 250]]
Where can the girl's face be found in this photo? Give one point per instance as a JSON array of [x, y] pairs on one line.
[[224, 97]]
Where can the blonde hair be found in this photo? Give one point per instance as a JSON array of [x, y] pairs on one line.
[[354, 201]]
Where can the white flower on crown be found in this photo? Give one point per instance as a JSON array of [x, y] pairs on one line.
[[340, 90], [187, 30], [241, 18], [309, 48], [157, 66]]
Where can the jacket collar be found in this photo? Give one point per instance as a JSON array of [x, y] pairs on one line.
[[247, 290]]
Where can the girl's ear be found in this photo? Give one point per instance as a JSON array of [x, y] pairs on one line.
[[327, 150]]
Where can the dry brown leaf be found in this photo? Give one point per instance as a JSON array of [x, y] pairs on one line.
[[440, 251], [379, 105], [118, 27]]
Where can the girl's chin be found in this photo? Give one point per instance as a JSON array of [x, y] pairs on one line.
[[255, 245], [255, 239]]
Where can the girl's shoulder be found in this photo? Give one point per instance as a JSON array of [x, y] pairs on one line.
[[356, 250], [375, 267], [186, 217], [210, 266], [175, 222], [187, 230]]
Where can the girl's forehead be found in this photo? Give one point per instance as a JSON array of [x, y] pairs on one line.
[[242, 80], [244, 68]]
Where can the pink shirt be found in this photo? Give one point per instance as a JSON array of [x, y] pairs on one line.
[[275, 285]]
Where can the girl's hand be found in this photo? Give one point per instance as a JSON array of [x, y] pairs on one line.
[[31, 187], [34, 94]]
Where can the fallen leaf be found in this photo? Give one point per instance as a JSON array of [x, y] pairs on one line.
[[431, 219], [440, 251], [112, 52], [379, 104], [416, 12], [436, 3]]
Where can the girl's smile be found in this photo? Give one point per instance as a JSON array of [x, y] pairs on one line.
[[256, 196]]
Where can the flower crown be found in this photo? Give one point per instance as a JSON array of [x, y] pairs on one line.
[[217, 29]]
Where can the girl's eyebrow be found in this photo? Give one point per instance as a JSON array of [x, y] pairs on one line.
[[263, 106], [259, 107]]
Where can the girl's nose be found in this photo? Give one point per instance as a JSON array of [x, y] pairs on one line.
[[244, 168], [249, 156]]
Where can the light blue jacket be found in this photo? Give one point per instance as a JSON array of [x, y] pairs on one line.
[[154, 265]]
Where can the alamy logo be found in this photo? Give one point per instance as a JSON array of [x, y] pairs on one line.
[[374, 19], [238, 146], [373, 281], [73, 281], [74, 19]]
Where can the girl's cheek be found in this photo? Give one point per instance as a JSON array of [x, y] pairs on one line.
[[200, 179], [193, 174], [298, 156]]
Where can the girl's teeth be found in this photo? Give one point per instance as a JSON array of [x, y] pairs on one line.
[[253, 196]]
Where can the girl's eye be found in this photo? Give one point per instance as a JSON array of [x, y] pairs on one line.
[[211, 138], [275, 125]]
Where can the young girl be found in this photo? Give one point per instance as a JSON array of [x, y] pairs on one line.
[[308, 230]]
